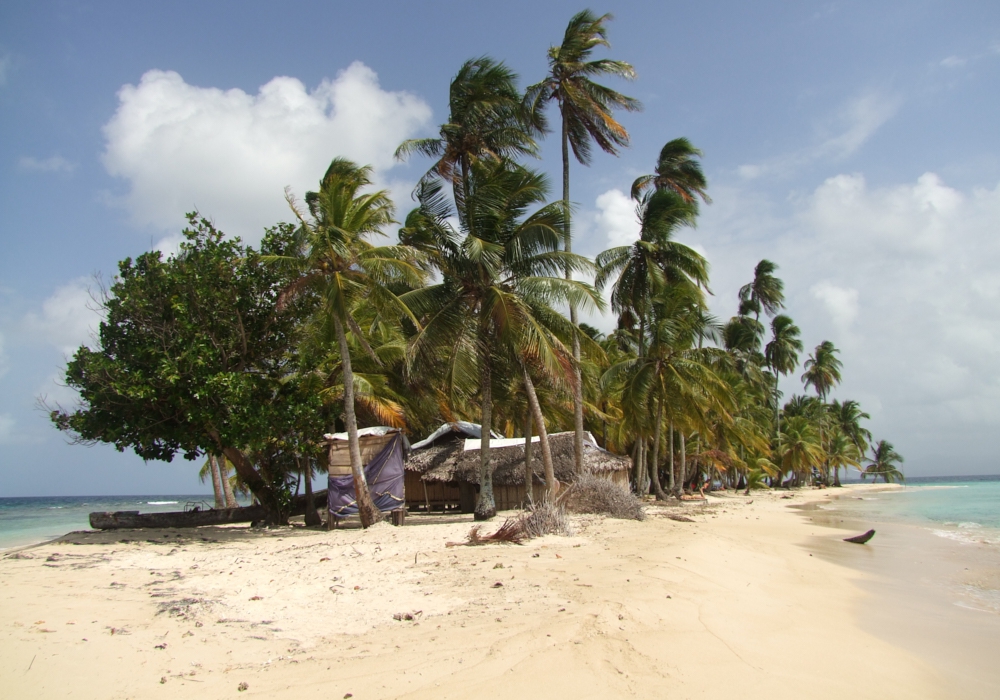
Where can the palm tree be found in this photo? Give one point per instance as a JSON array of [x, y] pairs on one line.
[[586, 110], [822, 373], [765, 293], [883, 463], [848, 417], [799, 446], [782, 354], [677, 169], [499, 276], [342, 268], [842, 452], [487, 121]]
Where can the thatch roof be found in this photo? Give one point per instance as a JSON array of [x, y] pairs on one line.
[[452, 462]]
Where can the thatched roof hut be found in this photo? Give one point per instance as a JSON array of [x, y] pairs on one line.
[[449, 472]]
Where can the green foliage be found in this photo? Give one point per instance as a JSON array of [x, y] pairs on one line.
[[192, 358]]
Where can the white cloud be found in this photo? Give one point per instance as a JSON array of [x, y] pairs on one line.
[[230, 154], [54, 164], [616, 218], [841, 302], [901, 278], [69, 318], [837, 138], [953, 62]]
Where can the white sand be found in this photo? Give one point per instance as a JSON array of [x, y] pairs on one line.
[[731, 606]]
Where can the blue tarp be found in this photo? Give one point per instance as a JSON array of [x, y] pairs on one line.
[[385, 481]]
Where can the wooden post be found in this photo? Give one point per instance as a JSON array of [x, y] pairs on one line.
[[399, 516]]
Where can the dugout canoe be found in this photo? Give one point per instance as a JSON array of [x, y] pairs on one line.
[[131, 519]]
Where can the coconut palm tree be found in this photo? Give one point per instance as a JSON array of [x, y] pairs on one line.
[[341, 267], [848, 417], [654, 262], [586, 109], [487, 121], [822, 373], [765, 293], [782, 354], [677, 169], [842, 452], [799, 446], [883, 462], [500, 273]]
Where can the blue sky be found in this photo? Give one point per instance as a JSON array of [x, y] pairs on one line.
[[853, 143]]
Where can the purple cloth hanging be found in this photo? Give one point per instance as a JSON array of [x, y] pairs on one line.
[[385, 481]]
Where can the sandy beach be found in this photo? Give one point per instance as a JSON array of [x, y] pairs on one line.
[[739, 603]]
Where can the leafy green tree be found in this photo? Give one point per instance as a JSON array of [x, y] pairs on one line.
[[884, 462], [822, 373], [192, 359], [341, 268], [586, 109]]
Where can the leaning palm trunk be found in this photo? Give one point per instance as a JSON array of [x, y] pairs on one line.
[[213, 466], [227, 485], [486, 507], [366, 506], [657, 433], [543, 438], [529, 474]]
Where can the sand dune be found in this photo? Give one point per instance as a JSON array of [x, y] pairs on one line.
[[732, 605]]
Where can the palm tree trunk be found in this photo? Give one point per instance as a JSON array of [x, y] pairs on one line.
[[670, 451], [486, 506], [657, 431], [551, 486], [577, 373], [366, 506], [529, 474], [213, 466], [312, 517], [227, 485], [681, 474]]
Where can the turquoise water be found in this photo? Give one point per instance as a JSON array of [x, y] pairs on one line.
[[965, 509], [29, 520]]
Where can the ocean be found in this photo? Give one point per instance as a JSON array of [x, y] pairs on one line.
[[29, 520], [963, 509]]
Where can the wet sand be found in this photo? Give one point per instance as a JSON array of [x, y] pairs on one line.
[[932, 596], [737, 604]]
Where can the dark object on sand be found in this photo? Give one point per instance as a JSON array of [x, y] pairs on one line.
[[860, 539], [194, 518], [681, 518]]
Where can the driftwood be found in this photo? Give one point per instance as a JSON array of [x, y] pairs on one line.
[[130, 519], [681, 518], [860, 539]]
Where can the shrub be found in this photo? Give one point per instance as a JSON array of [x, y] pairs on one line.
[[592, 494]]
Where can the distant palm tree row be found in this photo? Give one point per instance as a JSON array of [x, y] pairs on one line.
[[463, 318]]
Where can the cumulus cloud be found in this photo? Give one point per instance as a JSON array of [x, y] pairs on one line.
[[616, 218], [837, 138], [68, 319], [903, 280], [230, 154], [54, 164]]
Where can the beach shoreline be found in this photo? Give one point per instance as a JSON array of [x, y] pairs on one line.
[[739, 603]]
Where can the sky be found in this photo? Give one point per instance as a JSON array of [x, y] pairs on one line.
[[855, 144]]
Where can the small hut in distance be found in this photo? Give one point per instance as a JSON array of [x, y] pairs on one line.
[[443, 473]]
